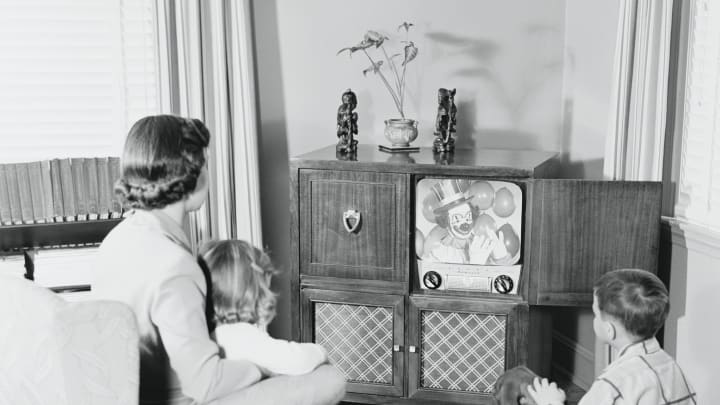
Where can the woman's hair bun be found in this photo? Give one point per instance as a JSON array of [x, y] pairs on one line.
[[162, 160]]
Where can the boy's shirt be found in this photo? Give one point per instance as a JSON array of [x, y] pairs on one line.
[[643, 374]]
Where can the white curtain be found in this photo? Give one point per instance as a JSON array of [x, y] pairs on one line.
[[635, 142], [207, 59]]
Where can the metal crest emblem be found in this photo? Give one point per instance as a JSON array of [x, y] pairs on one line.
[[351, 220]]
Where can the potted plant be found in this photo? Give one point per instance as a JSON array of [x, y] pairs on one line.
[[391, 70]]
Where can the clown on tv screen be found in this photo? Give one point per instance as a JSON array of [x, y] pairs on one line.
[[467, 221]]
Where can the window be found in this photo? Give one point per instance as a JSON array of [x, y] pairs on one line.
[[699, 186], [74, 76]]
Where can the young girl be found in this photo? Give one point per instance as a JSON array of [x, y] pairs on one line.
[[146, 262], [244, 306]]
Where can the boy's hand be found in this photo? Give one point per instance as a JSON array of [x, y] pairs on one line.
[[546, 393]]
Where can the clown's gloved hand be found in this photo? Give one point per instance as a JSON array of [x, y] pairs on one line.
[[480, 249], [499, 251]]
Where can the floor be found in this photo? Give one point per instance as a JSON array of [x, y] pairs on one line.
[[573, 392]]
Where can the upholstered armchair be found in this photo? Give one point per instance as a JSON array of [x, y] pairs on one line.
[[58, 352]]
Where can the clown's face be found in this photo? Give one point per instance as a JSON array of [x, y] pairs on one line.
[[461, 221]]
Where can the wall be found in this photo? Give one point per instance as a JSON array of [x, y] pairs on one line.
[[690, 254], [692, 330], [590, 35], [529, 75], [505, 59]]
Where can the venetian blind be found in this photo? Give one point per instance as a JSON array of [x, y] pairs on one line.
[[699, 188], [74, 75]]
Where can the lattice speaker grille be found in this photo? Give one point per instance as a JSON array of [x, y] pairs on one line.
[[461, 351], [358, 339]]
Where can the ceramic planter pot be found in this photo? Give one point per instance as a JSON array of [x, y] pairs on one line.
[[401, 131]]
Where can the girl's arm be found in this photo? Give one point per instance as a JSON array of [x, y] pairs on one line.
[[277, 356]]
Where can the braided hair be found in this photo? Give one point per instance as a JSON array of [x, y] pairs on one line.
[[162, 160]]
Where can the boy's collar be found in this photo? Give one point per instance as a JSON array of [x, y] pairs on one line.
[[640, 348]]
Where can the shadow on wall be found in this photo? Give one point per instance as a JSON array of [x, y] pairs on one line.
[[470, 136], [366, 119], [504, 139], [483, 65], [590, 169], [466, 110], [273, 153], [675, 259]]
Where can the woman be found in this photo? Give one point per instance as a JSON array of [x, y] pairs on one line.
[[146, 262]]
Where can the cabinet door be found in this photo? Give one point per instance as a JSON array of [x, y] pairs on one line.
[[458, 348], [377, 248], [363, 334], [583, 229]]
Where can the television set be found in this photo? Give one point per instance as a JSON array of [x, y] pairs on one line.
[[468, 234]]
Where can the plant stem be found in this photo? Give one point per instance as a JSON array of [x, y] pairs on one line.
[[402, 87], [382, 76], [402, 81], [393, 68]]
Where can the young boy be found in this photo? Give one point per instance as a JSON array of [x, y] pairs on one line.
[[630, 306]]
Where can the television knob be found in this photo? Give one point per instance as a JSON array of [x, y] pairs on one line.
[[432, 280], [503, 284]]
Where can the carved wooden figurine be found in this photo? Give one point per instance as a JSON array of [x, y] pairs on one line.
[[347, 123], [445, 121]]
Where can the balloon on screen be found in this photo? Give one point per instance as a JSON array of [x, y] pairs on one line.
[[482, 194], [504, 204], [430, 203], [511, 239], [419, 242], [484, 223], [434, 238]]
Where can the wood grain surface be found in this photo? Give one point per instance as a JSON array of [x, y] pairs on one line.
[[583, 229], [484, 162], [377, 250]]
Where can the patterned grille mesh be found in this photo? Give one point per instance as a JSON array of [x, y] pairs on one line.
[[358, 339], [461, 351]]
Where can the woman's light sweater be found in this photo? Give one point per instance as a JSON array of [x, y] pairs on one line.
[[146, 262]]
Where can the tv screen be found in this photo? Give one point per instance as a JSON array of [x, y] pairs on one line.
[[468, 221]]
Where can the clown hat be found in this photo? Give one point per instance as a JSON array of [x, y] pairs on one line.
[[449, 193]]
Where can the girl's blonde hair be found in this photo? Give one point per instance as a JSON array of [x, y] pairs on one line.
[[240, 275]]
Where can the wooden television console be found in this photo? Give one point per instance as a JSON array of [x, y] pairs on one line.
[[358, 293]]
